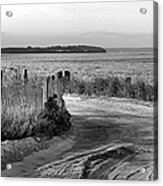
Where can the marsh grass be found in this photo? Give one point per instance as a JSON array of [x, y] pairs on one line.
[[17, 122], [22, 114], [21, 103], [21, 121], [115, 87]]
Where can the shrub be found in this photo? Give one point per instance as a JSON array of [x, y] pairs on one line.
[[53, 120], [115, 87]]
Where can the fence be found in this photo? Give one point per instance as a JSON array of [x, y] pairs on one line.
[[23, 94]]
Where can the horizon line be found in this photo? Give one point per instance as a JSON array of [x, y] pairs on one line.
[[41, 46]]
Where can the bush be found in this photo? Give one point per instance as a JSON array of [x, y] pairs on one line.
[[53, 120], [115, 87]]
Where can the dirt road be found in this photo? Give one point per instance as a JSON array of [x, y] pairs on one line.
[[111, 138]]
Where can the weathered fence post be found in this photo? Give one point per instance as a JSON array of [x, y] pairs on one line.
[[45, 90], [53, 84], [1, 79], [25, 75], [59, 75], [60, 83], [67, 81], [25, 81], [60, 87], [1, 85], [67, 75], [128, 86]]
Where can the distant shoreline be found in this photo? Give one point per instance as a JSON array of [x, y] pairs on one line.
[[54, 49], [79, 49], [138, 49]]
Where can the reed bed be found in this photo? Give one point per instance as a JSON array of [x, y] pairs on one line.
[[115, 87], [23, 112]]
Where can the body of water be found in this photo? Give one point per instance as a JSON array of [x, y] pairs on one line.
[[135, 63]]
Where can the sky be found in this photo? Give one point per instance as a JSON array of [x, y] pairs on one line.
[[112, 24]]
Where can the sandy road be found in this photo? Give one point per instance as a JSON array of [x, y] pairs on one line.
[[111, 138]]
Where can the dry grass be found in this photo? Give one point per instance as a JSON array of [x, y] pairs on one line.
[[17, 122], [21, 103], [115, 87], [23, 114]]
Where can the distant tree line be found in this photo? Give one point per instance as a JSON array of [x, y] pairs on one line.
[[54, 49]]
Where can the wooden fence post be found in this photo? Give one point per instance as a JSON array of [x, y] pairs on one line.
[[67, 81], [45, 90], [25, 75], [25, 81], [1, 79], [67, 75], [1, 85], [53, 84], [60, 83]]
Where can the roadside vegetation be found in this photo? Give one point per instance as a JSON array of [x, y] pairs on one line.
[[53, 120], [115, 87]]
